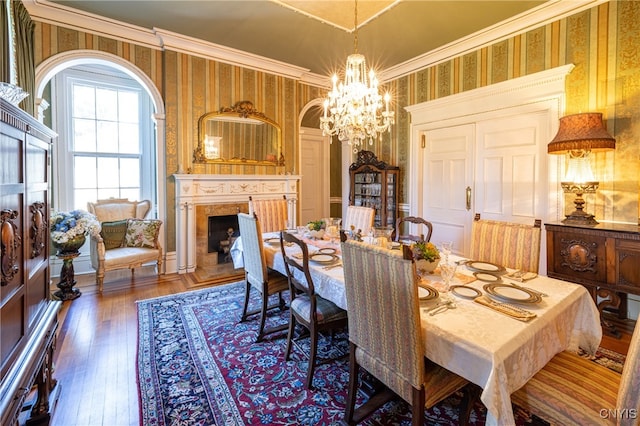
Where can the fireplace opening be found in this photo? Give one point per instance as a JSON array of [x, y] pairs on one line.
[[222, 232]]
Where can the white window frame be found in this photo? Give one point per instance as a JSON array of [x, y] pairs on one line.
[[63, 156]]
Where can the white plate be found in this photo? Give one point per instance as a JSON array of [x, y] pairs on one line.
[[327, 250], [427, 293], [323, 258], [395, 245], [486, 277], [272, 241], [465, 291], [509, 293], [478, 266]]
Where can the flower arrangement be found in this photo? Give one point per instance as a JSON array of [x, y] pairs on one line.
[[65, 226], [425, 250], [315, 225]]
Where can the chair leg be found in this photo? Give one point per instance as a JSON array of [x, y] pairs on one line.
[[471, 395], [312, 357], [282, 303], [263, 316], [417, 407], [292, 326], [246, 302], [100, 280], [352, 389]]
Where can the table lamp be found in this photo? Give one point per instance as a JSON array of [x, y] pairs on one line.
[[578, 136]]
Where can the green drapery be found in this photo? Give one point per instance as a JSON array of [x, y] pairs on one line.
[[25, 55], [5, 64]]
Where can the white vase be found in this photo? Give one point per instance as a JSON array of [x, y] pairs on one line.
[[427, 266]]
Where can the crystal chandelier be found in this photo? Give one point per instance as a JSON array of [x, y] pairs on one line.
[[355, 106]]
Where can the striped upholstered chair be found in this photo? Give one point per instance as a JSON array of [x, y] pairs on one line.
[[273, 213], [385, 335], [511, 245], [360, 218], [571, 390], [258, 276]]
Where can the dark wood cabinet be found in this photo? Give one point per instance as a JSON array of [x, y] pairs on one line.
[[28, 316], [604, 258], [374, 184]]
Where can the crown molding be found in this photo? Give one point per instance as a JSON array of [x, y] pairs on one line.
[[53, 13], [548, 12], [63, 16], [159, 39]]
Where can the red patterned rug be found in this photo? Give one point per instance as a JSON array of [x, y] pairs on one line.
[[198, 366]]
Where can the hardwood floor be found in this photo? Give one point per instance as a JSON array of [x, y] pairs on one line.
[[95, 363], [97, 341]]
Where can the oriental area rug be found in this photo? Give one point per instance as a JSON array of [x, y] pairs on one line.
[[197, 365]]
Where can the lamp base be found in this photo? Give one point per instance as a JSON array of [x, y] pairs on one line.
[[579, 217]]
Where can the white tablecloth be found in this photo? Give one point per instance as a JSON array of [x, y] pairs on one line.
[[494, 351]]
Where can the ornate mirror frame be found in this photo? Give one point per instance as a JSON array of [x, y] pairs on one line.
[[239, 135]]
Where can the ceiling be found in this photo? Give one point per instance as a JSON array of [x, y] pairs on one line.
[[316, 35]]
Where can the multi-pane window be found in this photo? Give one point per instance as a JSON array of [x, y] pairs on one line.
[[108, 131]]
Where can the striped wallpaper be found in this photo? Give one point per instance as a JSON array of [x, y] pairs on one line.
[[601, 42]]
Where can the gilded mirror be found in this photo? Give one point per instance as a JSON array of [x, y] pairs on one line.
[[238, 135]]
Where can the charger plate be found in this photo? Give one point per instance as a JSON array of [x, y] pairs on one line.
[[465, 291], [327, 250], [272, 241], [511, 294], [487, 277], [323, 258], [426, 292], [491, 268]]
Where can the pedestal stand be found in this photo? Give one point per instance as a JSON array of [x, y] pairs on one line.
[[67, 278]]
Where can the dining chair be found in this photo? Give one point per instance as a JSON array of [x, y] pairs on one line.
[[273, 213], [361, 218], [385, 335], [512, 245], [416, 221], [572, 390], [265, 280], [307, 308]]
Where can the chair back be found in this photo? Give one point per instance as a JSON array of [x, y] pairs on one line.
[[291, 265], [361, 218], [416, 221], [384, 316], [629, 390], [273, 213], [255, 264], [512, 245], [114, 209]]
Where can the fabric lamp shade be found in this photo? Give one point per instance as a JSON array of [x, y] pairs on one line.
[[584, 131]]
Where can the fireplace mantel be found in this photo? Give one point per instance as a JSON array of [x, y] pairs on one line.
[[197, 189]]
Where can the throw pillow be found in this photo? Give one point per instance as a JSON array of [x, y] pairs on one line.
[[142, 232], [113, 233]]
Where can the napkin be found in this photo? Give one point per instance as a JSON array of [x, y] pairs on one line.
[[506, 309]]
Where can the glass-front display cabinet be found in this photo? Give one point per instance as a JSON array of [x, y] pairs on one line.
[[374, 184]]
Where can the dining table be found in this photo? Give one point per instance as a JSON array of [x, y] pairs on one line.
[[482, 342]]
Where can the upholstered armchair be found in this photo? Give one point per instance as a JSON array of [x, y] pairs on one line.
[[127, 239]]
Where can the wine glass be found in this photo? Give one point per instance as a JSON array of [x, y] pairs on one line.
[[447, 272], [446, 247]]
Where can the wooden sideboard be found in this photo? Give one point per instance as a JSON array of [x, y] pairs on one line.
[[604, 258], [28, 316]]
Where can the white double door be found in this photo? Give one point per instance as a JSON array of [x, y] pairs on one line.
[[495, 167]]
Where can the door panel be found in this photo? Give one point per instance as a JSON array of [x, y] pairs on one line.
[[448, 172], [508, 168], [314, 168]]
